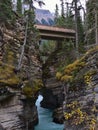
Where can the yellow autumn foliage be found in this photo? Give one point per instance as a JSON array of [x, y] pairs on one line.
[[71, 70], [88, 76], [92, 50], [66, 78], [92, 124], [78, 64], [76, 115], [7, 74], [68, 73], [37, 84], [58, 75], [30, 89]]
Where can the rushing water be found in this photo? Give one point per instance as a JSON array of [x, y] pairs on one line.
[[45, 118]]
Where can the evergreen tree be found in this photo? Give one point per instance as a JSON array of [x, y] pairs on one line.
[[30, 32], [62, 9], [60, 20], [6, 13], [69, 21], [19, 6], [80, 32], [91, 6], [56, 14]]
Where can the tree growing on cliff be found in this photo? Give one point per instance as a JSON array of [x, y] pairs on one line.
[[30, 33], [19, 6], [80, 32], [92, 9], [60, 19], [56, 14], [70, 22], [62, 8], [65, 19], [6, 13]]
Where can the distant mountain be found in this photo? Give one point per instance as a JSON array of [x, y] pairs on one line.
[[44, 17]]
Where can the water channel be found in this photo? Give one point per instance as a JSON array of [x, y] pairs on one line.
[[45, 118]]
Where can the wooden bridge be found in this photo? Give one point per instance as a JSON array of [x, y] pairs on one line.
[[55, 33]]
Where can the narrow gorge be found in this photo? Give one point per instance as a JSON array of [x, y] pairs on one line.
[[47, 84], [56, 79]]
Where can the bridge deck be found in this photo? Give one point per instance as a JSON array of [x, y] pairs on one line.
[[55, 33]]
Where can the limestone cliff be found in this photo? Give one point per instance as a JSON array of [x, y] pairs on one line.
[[18, 88], [81, 92]]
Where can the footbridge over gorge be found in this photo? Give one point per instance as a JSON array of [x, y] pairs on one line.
[[55, 33]]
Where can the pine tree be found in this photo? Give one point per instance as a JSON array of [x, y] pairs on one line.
[[30, 32], [62, 9], [19, 6], [64, 20], [91, 6], [69, 20], [56, 14], [6, 13], [60, 20], [80, 32]]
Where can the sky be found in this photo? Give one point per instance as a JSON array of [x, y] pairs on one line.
[[50, 4]]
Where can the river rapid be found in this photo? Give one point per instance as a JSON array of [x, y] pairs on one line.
[[45, 118]]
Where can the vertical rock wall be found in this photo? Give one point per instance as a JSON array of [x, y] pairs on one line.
[[16, 112], [81, 93], [53, 91]]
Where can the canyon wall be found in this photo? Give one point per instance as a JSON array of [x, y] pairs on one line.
[[18, 87]]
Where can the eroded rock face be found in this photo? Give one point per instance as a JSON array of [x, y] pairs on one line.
[[81, 111], [30, 115], [50, 100], [10, 112], [14, 112], [53, 91]]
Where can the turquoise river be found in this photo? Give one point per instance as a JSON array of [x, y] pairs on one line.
[[45, 118]]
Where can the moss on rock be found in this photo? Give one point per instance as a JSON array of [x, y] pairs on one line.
[[7, 70], [30, 89]]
